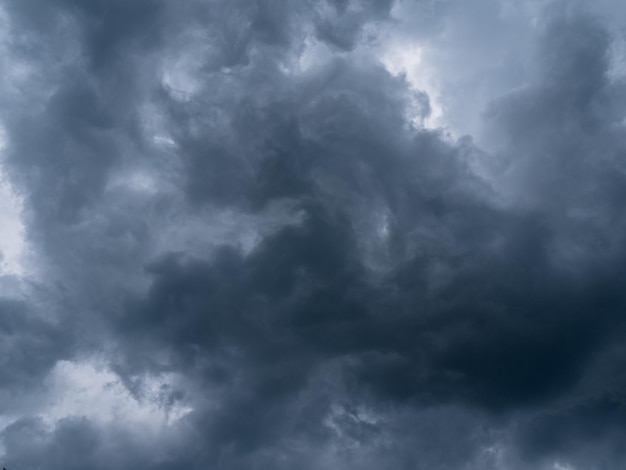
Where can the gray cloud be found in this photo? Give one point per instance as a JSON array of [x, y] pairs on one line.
[[236, 208]]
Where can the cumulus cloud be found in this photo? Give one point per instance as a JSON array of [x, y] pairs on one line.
[[318, 234]]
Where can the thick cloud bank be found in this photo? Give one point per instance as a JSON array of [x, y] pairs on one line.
[[318, 234]]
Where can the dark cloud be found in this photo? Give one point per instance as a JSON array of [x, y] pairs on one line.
[[588, 425], [342, 22], [31, 344], [239, 211]]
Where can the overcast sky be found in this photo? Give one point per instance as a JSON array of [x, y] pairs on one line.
[[312, 234]]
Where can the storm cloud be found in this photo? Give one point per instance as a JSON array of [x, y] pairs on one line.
[[312, 234]]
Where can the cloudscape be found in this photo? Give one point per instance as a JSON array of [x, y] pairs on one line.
[[312, 234]]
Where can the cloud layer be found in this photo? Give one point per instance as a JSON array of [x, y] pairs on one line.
[[261, 234]]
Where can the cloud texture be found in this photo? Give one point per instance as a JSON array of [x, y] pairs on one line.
[[320, 234]]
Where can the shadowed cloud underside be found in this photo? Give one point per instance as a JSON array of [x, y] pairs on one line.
[[319, 234]]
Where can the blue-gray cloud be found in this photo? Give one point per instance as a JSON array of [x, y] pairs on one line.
[[241, 198]]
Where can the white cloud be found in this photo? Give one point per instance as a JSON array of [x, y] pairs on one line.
[[407, 59], [12, 234], [90, 389]]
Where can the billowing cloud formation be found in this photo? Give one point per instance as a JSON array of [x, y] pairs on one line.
[[246, 243]]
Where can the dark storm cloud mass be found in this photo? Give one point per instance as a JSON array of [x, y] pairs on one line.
[[240, 196], [30, 346]]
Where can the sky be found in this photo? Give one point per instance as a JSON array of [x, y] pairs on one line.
[[312, 234]]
